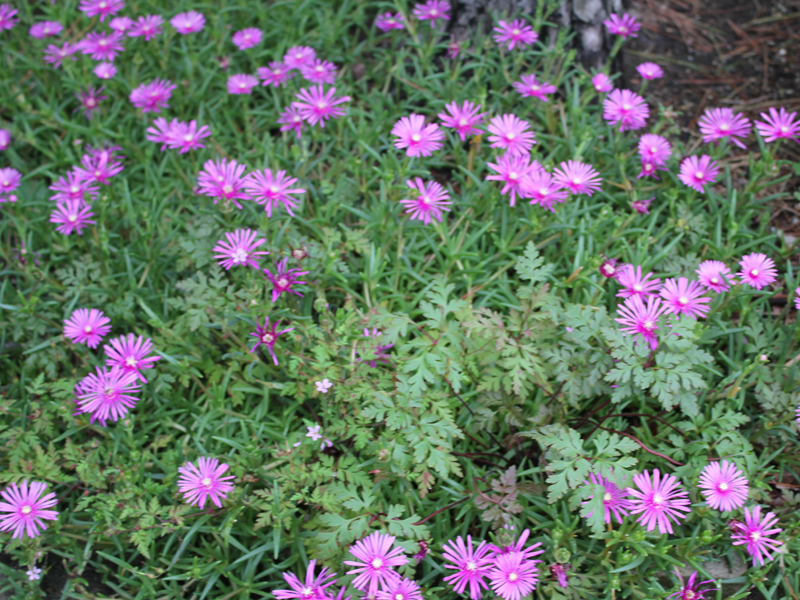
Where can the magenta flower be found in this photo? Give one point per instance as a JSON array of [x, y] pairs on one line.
[[684, 297], [609, 268], [625, 108], [204, 481], [105, 394], [178, 135], [7, 17], [578, 177], [654, 148], [9, 180], [638, 318], [388, 21], [153, 96], [720, 123], [102, 46], [559, 573], [453, 48], [517, 33], [511, 134], [319, 71], [658, 501], [129, 353], [432, 10], [45, 29], [90, 99], [101, 8], [99, 165], [417, 138], [239, 249], [292, 120], [276, 74], [513, 576], [120, 24], [650, 70], [649, 169], [73, 187], [375, 560], [695, 172], [723, 485], [512, 170], [626, 25], [299, 56], [55, 55], [462, 118], [431, 201], [642, 206], [615, 500], [690, 589], [283, 279], [87, 325], [779, 125], [754, 534], [402, 589], [223, 179], [372, 348], [313, 588], [247, 38], [519, 546], [148, 27], [241, 84], [72, 215], [635, 284], [268, 336], [317, 106], [797, 298], [5, 139], [602, 83], [543, 189], [471, 566], [266, 189], [25, 507], [188, 22], [530, 87], [105, 70], [162, 132], [714, 275], [757, 270]]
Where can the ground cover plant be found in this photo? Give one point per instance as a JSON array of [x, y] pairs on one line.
[[309, 300]]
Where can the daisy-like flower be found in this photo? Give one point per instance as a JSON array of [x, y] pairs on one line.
[[72, 187], [239, 249], [690, 589], [25, 508], [72, 215], [516, 33], [99, 166], [317, 106], [313, 588], [757, 270], [34, 574], [684, 297], [106, 394], [129, 353], [389, 21], [373, 348], [187, 136], [519, 546], [9, 180], [453, 48], [105, 70], [323, 386], [148, 27], [615, 500], [241, 84], [462, 118], [658, 501], [90, 99], [511, 134], [375, 562], [724, 486], [162, 132], [223, 180], [268, 336], [754, 535], [431, 200], [87, 326], [779, 124], [609, 268], [721, 123], [247, 38], [543, 189], [625, 108], [269, 190], [602, 83], [714, 275], [417, 138], [654, 148], [513, 576], [649, 169], [642, 206], [292, 120], [7, 17], [45, 29], [101, 8], [283, 279], [797, 298], [635, 284], [5, 139], [55, 55], [102, 46], [153, 96], [319, 71], [276, 74], [299, 56], [120, 24], [206, 481], [532, 88], [471, 566], [650, 70], [625, 26], [188, 22], [638, 318], [403, 589], [512, 170], [432, 10], [578, 177]]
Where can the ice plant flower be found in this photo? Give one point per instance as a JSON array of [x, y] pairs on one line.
[[757, 270], [269, 190], [431, 200], [559, 573], [25, 508], [99, 165], [650, 70], [635, 284], [714, 275], [313, 588], [223, 180], [417, 138], [625, 26], [247, 38], [462, 118], [658, 501], [72, 215], [268, 336], [106, 394], [432, 10], [654, 148], [7, 17], [292, 120], [9, 180], [578, 177], [690, 589], [101, 8], [511, 134], [5, 139], [402, 589], [797, 298], [319, 71], [299, 56], [73, 187], [153, 96], [724, 486], [241, 84], [513, 576], [87, 325], [45, 29], [721, 123], [471, 566], [609, 268], [640, 318], [512, 170], [206, 481], [105, 70], [55, 55], [625, 108], [649, 169], [388, 21], [375, 562], [283, 279], [519, 546], [323, 386], [779, 124], [696, 172], [90, 99], [754, 535], [33, 574], [129, 353], [239, 248], [276, 74], [602, 83], [120, 24], [615, 500], [543, 189], [148, 27], [532, 88], [684, 297], [516, 33], [188, 22], [317, 106], [102, 46], [642, 206]]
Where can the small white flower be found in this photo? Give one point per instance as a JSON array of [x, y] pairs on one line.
[[323, 386]]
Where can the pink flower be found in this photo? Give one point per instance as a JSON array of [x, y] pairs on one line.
[[323, 386], [580, 178], [511, 134], [714, 275], [778, 125], [649, 169], [102, 46], [658, 501], [471, 566], [609, 268], [7, 17], [149, 27], [99, 165], [519, 546], [87, 325], [634, 284], [45, 29], [241, 84], [120, 24], [292, 119], [283, 279], [695, 172], [90, 99], [690, 590], [188, 22], [463, 119], [403, 589], [453, 48], [55, 55], [431, 201], [432, 10], [162, 132], [101, 8], [723, 485], [512, 170], [654, 148], [72, 187], [638, 318], [650, 70], [105, 394], [602, 83], [276, 74], [25, 506], [205, 481], [129, 353], [625, 108], [239, 249], [223, 179], [372, 351], [299, 56], [313, 588], [9, 180], [543, 189], [178, 135], [417, 138], [797, 298], [72, 215], [319, 71], [375, 560], [642, 206], [268, 336], [105, 70], [268, 190], [153, 96], [513, 576], [515, 33], [317, 106], [626, 25], [387, 21], [684, 297], [559, 573], [615, 500], [757, 270], [34, 574], [247, 38], [754, 534], [720, 123], [5, 139], [532, 88]]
